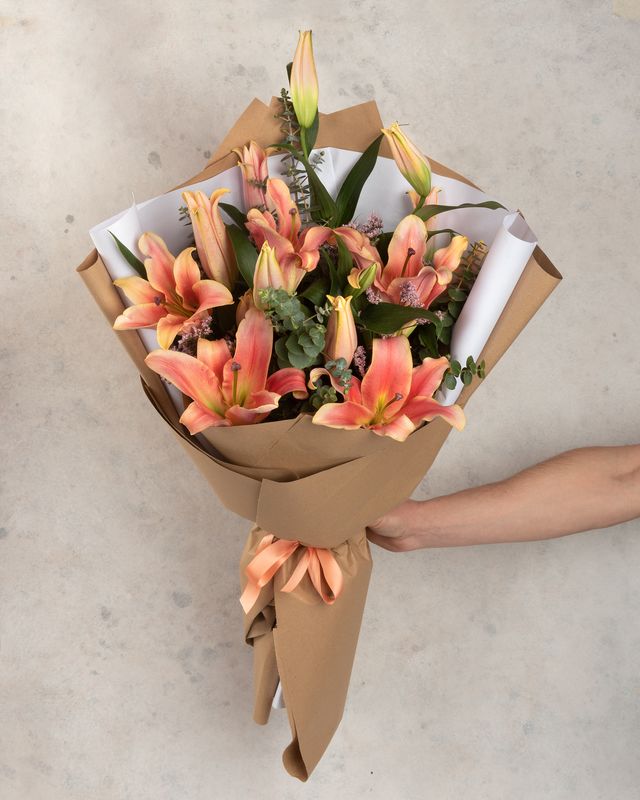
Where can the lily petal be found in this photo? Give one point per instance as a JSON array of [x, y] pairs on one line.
[[190, 376], [214, 354], [196, 418], [168, 328], [145, 315], [288, 215], [399, 428], [288, 380], [347, 415], [138, 290], [426, 377], [211, 294], [186, 273], [406, 250], [158, 264], [388, 376], [425, 408], [254, 341]]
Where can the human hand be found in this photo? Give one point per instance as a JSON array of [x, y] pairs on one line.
[[397, 531]]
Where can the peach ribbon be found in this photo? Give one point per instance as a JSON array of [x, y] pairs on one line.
[[272, 553]]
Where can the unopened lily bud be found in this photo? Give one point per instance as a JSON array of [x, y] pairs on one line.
[[411, 162], [304, 81], [342, 338]]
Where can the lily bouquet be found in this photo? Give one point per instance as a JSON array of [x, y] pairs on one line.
[[304, 315]]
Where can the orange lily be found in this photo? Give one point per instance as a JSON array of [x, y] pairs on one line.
[[304, 81], [410, 161], [226, 389], [212, 240], [293, 247], [406, 279], [173, 297], [342, 338], [394, 397], [358, 244], [255, 171]]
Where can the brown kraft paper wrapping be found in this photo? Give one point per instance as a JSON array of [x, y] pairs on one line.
[[312, 484]]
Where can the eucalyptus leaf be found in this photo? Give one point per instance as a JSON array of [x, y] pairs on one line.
[[130, 257], [457, 294]]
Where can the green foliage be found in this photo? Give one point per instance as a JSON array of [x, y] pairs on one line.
[[130, 257], [385, 318], [246, 254], [466, 373], [235, 214], [302, 336], [351, 188], [426, 212], [340, 371], [322, 395]]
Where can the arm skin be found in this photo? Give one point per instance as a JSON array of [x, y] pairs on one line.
[[579, 490]]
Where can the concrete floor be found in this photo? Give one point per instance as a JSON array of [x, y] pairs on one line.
[[482, 673]]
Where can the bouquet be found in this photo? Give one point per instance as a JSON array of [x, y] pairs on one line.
[[310, 315]]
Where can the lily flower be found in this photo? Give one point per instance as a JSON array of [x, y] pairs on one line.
[[304, 81], [341, 339], [294, 248], [173, 298], [212, 240], [225, 389], [357, 243], [255, 171], [406, 279], [410, 161], [394, 397]]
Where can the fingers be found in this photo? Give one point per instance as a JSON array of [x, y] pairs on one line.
[[391, 543]]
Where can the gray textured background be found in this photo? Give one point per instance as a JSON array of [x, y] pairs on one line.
[[483, 673]]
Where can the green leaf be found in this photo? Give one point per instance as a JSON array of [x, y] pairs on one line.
[[454, 309], [246, 253], [457, 294], [455, 367], [389, 317], [345, 262], [316, 292], [320, 196], [450, 381], [349, 193], [471, 364], [426, 212], [444, 335], [428, 338], [235, 214], [311, 134], [466, 376], [130, 257]]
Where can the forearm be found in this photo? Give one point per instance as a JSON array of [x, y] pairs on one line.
[[576, 491]]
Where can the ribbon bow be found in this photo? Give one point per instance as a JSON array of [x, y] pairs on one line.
[[272, 553]]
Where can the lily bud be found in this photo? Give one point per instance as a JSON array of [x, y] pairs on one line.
[[304, 81], [342, 338], [411, 162], [255, 171], [268, 273], [361, 279]]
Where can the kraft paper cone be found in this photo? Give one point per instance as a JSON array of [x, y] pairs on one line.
[[312, 484]]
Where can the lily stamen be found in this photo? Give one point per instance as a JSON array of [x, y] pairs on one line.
[[235, 368], [410, 252]]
